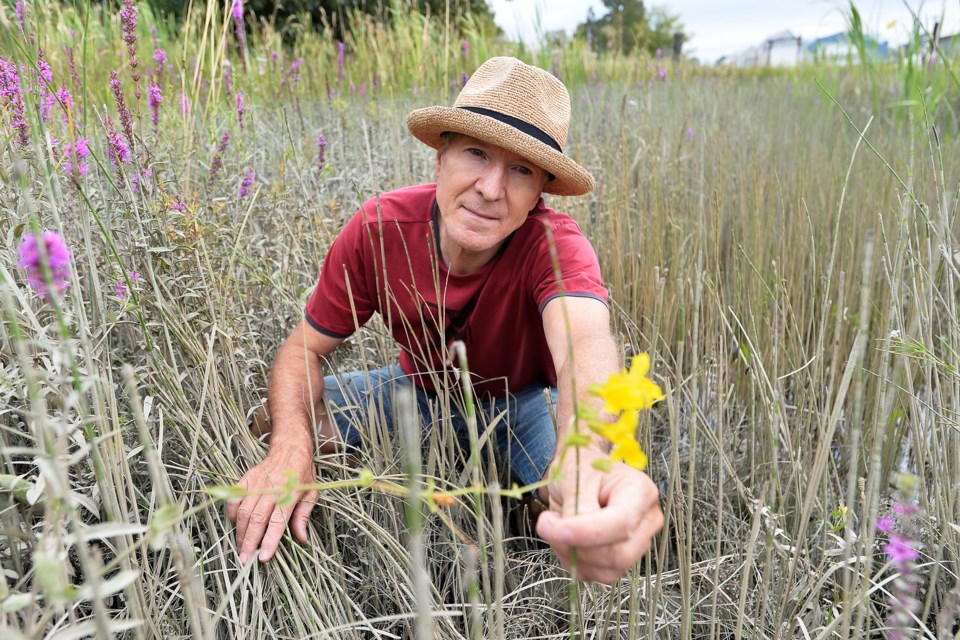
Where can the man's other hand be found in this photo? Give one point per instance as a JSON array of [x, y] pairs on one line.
[[611, 526], [260, 520]]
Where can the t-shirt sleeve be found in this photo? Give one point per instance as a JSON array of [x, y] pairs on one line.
[[579, 267], [344, 276]]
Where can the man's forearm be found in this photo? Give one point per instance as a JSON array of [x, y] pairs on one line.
[[295, 393], [594, 359]]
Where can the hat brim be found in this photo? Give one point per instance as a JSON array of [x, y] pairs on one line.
[[570, 179]]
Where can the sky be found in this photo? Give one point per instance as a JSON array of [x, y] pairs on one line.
[[718, 27]]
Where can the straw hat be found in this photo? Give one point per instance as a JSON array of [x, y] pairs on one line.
[[517, 107]]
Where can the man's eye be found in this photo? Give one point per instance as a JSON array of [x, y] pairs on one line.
[[525, 171], [476, 152]]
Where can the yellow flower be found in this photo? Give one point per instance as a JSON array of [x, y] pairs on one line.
[[629, 390], [623, 429], [629, 451]]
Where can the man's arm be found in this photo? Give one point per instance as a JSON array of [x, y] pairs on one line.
[[294, 397], [613, 519]]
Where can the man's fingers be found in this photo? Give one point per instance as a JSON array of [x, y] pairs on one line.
[[301, 515], [600, 528], [276, 525], [244, 510], [233, 506], [257, 525]]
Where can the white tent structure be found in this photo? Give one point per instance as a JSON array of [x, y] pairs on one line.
[[783, 49]]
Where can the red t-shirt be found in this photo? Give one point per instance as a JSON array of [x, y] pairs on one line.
[[388, 261]]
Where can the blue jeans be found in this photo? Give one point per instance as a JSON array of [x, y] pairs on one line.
[[525, 438]]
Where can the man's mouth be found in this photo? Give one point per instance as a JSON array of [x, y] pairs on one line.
[[480, 214]]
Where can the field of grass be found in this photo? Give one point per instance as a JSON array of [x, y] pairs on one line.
[[785, 244]]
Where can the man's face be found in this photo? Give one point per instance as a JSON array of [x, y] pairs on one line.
[[484, 193]]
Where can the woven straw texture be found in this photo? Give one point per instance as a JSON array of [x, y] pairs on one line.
[[510, 87]]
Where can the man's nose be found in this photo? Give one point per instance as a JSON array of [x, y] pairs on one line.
[[492, 182]]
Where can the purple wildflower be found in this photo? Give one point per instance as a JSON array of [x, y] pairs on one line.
[[217, 161], [184, 104], [295, 70], [117, 147], [363, 89], [885, 524], [227, 80], [353, 88], [689, 133], [275, 56], [160, 56], [238, 26], [178, 205], [46, 73], [56, 257], [464, 49], [126, 118], [74, 154], [120, 291], [246, 184], [20, 19], [903, 553], [321, 152], [128, 23], [900, 551], [241, 109], [340, 51], [662, 73], [66, 101], [154, 98], [11, 99], [658, 53], [464, 77]]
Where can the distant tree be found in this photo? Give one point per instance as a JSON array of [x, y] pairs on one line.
[[628, 27]]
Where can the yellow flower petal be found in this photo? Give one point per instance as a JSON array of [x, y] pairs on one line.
[[629, 451]]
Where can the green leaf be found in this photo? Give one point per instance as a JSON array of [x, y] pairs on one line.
[[601, 464], [165, 517], [577, 440], [227, 492]]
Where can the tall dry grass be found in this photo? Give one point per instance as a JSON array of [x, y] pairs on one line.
[[784, 246]]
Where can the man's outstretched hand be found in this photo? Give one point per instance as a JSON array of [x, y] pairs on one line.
[[260, 520], [611, 525]]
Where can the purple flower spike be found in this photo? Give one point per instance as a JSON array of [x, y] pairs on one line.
[[184, 105], [659, 53], [11, 99], [117, 148], [246, 184], [238, 22], [57, 259], [321, 152], [901, 551], [74, 155], [662, 73], [341, 48], [128, 23], [689, 133], [241, 109], [154, 98], [20, 18]]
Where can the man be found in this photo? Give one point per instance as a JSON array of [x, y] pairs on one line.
[[474, 258]]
